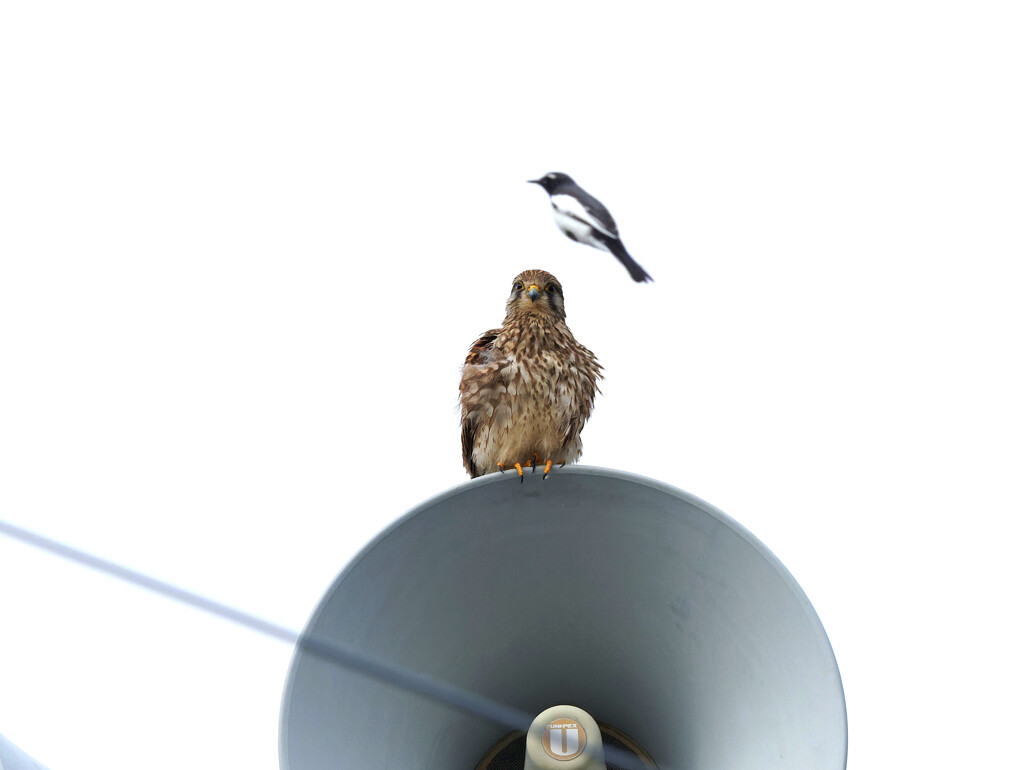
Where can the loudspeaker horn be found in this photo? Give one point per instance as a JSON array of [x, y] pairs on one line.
[[656, 613]]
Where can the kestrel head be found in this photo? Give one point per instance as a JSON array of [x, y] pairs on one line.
[[536, 291]]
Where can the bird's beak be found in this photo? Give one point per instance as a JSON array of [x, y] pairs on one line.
[[533, 292], [533, 181]]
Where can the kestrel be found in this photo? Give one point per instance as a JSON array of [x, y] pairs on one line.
[[528, 387], [584, 219]]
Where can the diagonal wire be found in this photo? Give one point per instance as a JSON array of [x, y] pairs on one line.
[[342, 655], [421, 684]]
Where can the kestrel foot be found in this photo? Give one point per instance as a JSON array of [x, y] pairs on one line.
[[547, 467], [501, 468], [519, 470], [534, 461]]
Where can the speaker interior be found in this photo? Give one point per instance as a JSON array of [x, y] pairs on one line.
[[635, 601]]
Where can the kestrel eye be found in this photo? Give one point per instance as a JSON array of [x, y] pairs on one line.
[[551, 288], [517, 286]]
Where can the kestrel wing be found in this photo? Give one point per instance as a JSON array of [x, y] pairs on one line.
[[468, 437], [480, 350], [572, 430], [479, 353]]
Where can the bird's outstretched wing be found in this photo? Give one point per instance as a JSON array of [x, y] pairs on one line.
[[587, 210]]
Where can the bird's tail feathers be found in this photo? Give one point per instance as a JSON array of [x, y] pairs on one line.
[[636, 272]]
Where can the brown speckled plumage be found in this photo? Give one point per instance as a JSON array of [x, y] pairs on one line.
[[528, 387]]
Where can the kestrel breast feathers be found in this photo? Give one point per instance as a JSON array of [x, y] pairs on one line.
[[528, 387]]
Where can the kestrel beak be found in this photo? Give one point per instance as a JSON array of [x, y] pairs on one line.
[[533, 292]]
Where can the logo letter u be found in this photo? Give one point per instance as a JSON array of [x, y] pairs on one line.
[[572, 741]]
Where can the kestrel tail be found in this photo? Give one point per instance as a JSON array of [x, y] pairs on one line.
[[528, 387]]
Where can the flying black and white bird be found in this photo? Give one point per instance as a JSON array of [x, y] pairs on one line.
[[584, 219]]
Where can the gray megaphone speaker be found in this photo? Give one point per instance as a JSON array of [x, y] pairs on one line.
[[661, 617]]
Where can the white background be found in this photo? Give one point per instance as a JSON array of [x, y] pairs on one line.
[[245, 247]]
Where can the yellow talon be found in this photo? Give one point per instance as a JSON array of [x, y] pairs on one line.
[[519, 470], [547, 467]]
